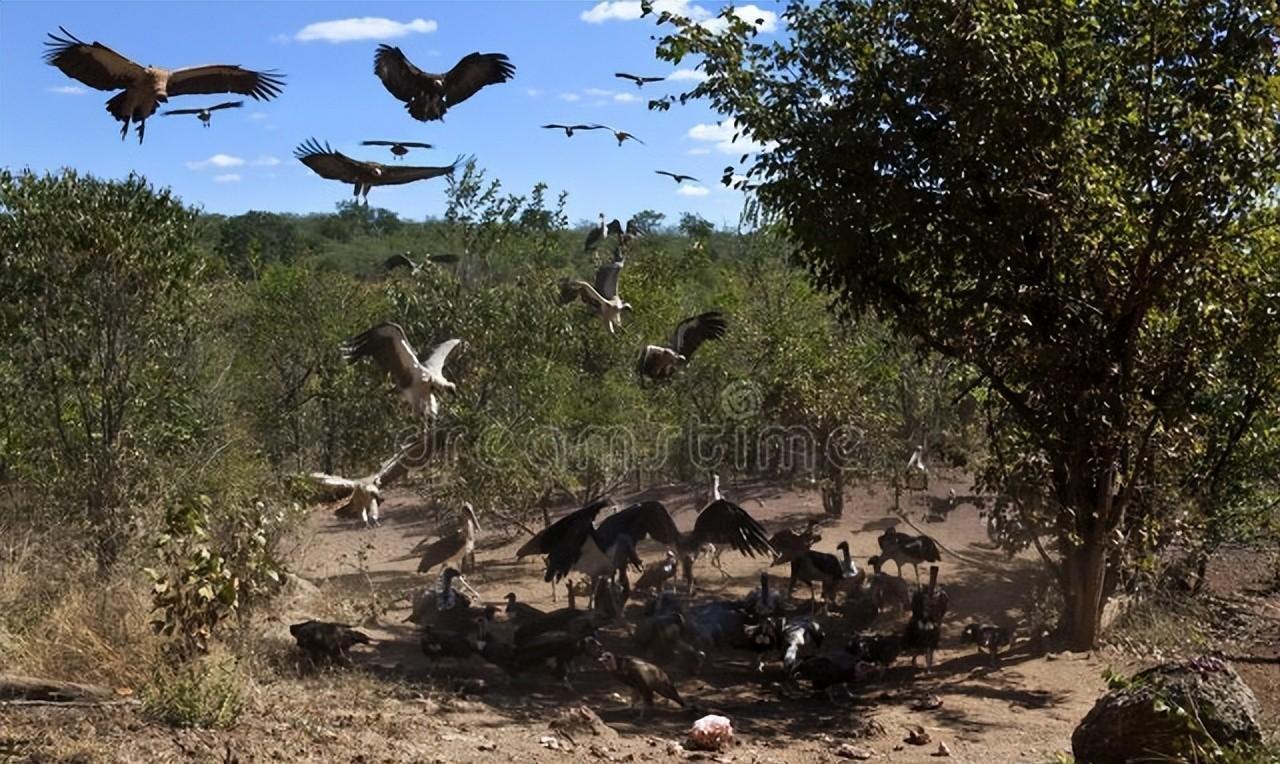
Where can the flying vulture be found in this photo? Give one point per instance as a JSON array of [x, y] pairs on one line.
[[143, 87], [403, 261], [623, 236], [399, 148], [364, 493], [678, 178], [390, 350], [640, 81], [428, 96], [335, 165], [205, 114], [568, 129], [602, 298], [662, 362], [622, 135]]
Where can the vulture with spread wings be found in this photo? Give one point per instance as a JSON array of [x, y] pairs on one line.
[[568, 129], [404, 261], [602, 298], [387, 345], [658, 362], [334, 165], [144, 87], [398, 148], [428, 96], [205, 114], [639, 80], [364, 493], [677, 176]]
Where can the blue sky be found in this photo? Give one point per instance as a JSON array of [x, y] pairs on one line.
[[565, 54]]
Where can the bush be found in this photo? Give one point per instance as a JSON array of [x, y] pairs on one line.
[[206, 693]]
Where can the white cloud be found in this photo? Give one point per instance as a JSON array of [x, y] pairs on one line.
[[629, 10], [698, 151], [230, 177], [721, 135], [364, 28], [625, 97], [532, 92], [265, 161], [258, 116], [68, 90], [598, 92], [692, 190], [217, 160], [687, 75], [570, 97]]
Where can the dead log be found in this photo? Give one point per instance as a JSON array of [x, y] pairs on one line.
[[25, 688]]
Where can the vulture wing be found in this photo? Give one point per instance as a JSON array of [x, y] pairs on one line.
[[334, 165], [435, 361], [397, 261], [474, 72], [332, 482], [580, 290], [692, 332], [442, 550], [394, 176], [388, 347], [95, 65], [646, 519], [615, 227], [224, 78], [412, 145], [400, 77], [607, 279], [570, 530], [227, 105], [633, 228], [444, 259], [625, 76], [377, 143], [174, 112], [723, 522]]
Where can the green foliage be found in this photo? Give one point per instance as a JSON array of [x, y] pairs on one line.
[[207, 694], [98, 278], [1076, 202], [205, 578]]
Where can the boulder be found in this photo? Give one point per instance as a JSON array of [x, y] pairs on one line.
[[1167, 711]]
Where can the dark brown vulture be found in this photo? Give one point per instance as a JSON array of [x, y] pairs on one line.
[[335, 165], [568, 129], [428, 96], [658, 362], [205, 114], [143, 87], [398, 148], [640, 81], [678, 177]]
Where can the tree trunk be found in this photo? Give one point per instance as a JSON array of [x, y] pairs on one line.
[[833, 492], [1084, 598]]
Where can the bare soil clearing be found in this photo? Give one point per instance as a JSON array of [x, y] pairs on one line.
[[398, 706]]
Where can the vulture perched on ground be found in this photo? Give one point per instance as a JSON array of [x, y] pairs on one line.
[[660, 363], [321, 640], [334, 165], [428, 96], [644, 679], [205, 114], [568, 129], [390, 350], [602, 298], [640, 81], [398, 148], [677, 176], [144, 87]]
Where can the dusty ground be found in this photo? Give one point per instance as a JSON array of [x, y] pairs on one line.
[[398, 706]]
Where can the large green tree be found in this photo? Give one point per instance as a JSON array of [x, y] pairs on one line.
[[1072, 198]]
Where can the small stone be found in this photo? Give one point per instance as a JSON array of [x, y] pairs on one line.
[[917, 735], [487, 747], [927, 703], [674, 748], [943, 750], [847, 751], [549, 741]]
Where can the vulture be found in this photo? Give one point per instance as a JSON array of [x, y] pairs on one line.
[[334, 165], [364, 493], [404, 261], [428, 96], [677, 176], [916, 469], [640, 81], [575, 543], [624, 236], [602, 298], [623, 135], [143, 87], [398, 148], [988, 637], [928, 607], [205, 114], [327, 641], [457, 546], [390, 350], [659, 363], [568, 129], [903, 547], [644, 679], [596, 235]]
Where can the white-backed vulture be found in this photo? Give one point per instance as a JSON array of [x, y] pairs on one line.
[[661, 362], [428, 96], [418, 382]]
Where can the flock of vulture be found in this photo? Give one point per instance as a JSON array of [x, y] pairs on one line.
[[669, 629], [427, 96]]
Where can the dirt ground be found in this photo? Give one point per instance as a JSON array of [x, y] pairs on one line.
[[398, 706]]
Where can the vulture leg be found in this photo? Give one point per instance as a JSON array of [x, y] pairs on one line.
[[124, 130], [142, 129]]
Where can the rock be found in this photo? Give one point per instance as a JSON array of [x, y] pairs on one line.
[[943, 750], [1153, 715], [580, 722], [927, 703], [847, 751], [917, 735]]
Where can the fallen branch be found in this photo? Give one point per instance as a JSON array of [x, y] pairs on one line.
[[20, 689]]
